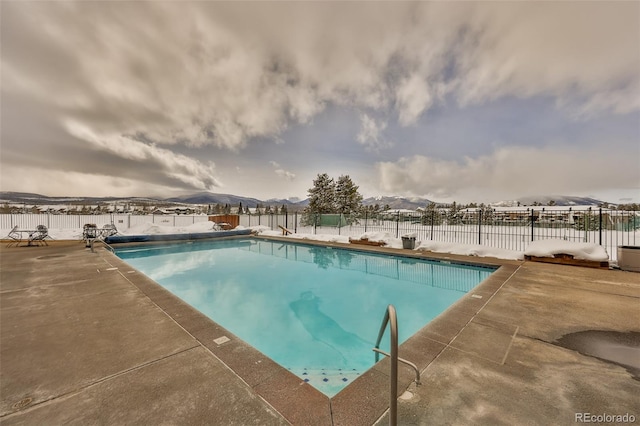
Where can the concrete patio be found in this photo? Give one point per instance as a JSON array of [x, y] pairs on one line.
[[85, 339]]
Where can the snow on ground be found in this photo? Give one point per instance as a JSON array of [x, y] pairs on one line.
[[540, 248], [470, 250]]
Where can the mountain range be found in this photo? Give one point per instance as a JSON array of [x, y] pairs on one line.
[[394, 202]]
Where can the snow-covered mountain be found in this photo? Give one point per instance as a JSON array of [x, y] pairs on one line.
[[411, 203], [394, 202], [213, 198], [559, 200]]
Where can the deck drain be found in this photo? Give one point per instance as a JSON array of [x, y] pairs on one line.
[[22, 403], [50, 256]]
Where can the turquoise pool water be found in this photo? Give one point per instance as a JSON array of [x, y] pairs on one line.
[[313, 310]]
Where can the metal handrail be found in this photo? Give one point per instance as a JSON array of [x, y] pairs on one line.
[[391, 318], [406, 362], [92, 240]]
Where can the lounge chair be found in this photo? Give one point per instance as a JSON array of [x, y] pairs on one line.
[[39, 236], [15, 236]]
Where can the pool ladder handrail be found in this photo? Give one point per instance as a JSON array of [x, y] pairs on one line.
[[107, 246], [391, 318]]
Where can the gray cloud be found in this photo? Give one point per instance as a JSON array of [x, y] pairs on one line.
[[282, 172], [513, 171], [371, 134], [141, 78]]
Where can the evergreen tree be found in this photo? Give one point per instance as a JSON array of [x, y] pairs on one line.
[[431, 215], [240, 208], [453, 215], [321, 199], [348, 200], [488, 214]]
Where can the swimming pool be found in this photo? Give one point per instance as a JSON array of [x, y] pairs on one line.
[[314, 310]]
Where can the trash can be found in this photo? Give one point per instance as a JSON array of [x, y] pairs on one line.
[[409, 243]]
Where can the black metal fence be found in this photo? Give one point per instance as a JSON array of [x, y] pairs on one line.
[[511, 229]]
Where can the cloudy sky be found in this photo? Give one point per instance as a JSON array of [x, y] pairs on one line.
[[467, 101]]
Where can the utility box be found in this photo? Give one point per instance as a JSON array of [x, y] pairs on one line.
[[629, 258], [226, 221]]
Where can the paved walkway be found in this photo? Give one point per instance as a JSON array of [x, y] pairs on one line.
[[83, 341]]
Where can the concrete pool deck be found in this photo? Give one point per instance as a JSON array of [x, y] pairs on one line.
[[85, 339]]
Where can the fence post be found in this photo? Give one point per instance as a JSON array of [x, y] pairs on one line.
[[397, 224], [479, 227], [365, 221], [600, 226], [295, 220], [433, 214], [532, 224]]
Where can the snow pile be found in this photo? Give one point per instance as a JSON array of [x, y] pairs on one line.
[[153, 228], [586, 251], [322, 237], [469, 250], [260, 229]]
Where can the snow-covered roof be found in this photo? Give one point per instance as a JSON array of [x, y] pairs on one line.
[[539, 208], [401, 211]]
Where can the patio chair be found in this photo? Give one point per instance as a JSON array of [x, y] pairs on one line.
[[15, 236], [89, 231], [39, 236]]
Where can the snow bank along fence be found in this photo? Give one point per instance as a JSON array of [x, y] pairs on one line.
[[122, 221], [501, 228], [510, 229]]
